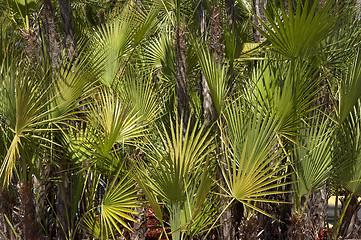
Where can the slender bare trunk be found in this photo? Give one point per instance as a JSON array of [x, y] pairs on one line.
[[258, 11], [181, 77], [68, 27], [209, 111], [51, 31]]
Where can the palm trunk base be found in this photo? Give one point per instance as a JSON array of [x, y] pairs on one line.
[[27, 208]]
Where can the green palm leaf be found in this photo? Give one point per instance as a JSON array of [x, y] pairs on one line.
[[299, 34], [116, 208], [25, 111], [215, 75], [253, 166], [179, 174], [347, 151], [312, 158], [349, 88], [114, 120]]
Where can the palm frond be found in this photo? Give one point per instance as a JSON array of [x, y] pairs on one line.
[[114, 120], [346, 151], [179, 174], [312, 158], [215, 75], [298, 34], [252, 166]]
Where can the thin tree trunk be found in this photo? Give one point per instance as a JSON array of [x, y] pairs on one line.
[[140, 228], [258, 11], [209, 111], [317, 209], [217, 48], [351, 225], [227, 229], [28, 36], [216, 32], [52, 34], [63, 188], [68, 27], [181, 77]]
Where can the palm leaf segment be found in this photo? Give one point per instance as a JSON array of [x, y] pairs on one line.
[[116, 41]]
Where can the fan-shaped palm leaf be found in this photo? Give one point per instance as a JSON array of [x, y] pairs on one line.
[[347, 151], [253, 165], [312, 158], [299, 34], [114, 120], [115, 209], [25, 111], [179, 174]]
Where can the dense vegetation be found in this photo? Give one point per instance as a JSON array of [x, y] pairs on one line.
[[195, 119]]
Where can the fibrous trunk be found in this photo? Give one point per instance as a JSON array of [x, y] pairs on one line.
[[27, 208], [216, 32], [140, 228]]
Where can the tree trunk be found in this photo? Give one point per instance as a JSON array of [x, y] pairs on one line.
[[317, 210], [7, 203], [27, 209], [209, 111], [28, 36], [68, 27], [181, 77], [33, 41], [140, 229], [227, 229], [52, 34], [258, 11], [350, 226], [216, 32]]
